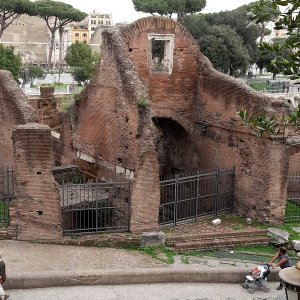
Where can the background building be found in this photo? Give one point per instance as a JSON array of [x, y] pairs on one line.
[[30, 37]]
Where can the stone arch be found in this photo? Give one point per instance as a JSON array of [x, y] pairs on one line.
[[173, 115], [175, 150]]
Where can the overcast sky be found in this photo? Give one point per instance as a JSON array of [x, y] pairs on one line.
[[123, 11]]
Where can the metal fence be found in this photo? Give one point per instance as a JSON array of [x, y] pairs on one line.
[[95, 207], [7, 192], [194, 195], [59, 90], [292, 210]]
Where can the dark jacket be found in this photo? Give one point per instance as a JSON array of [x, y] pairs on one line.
[[2, 271]]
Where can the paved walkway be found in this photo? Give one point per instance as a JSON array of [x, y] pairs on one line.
[[168, 291], [37, 265], [34, 265]]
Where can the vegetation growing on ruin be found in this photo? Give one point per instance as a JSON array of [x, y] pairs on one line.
[[143, 103]]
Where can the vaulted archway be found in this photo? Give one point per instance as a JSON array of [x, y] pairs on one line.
[[175, 150]]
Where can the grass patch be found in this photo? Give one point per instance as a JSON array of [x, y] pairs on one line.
[[292, 210], [262, 250], [238, 227], [258, 86], [4, 212], [143, 103], [161, 253], [185, 259], [67, 104]]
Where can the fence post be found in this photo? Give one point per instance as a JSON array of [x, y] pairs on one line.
[[128, 213], [217, 191], [232, 188], [197, 196], [176, 200]]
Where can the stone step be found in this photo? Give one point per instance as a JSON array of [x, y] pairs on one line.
[[220, 243], [210, 236]]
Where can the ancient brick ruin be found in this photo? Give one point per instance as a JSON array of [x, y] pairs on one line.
[[154, 107], [190, 123], [27, 145]]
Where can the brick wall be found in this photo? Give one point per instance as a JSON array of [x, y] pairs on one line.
[[47, 110], [14, 110], [111, 124], [36, 212]]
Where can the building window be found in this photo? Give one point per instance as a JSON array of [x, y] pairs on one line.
[[77, 34], [93, 29], [84, 35], [107, 22], [93, 21], [100, 22], [161, 48]]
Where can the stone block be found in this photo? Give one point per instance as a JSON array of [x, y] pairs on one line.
[[296, 245], [278, 236], [152, 238], [216, 222], [248, 221], [297, 229]]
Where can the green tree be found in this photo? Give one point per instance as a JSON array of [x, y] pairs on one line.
[[274, 62], [57, 15], [288, 19], [237, 19], [9, 61], [11, 10], [83, 61], [269, 14], [224, 47], [35, 72], [169, 7], [220, 43]]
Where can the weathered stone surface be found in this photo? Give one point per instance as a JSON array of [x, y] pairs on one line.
[[37, 209], [170, 132], [297, 229], [14, 110], [296, 245], [278, 236], [152, 238], [249, 221], [216, 222]]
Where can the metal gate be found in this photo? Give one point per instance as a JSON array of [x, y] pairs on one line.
[[7, 192], [292, 209], [95, 207], [191, 196]]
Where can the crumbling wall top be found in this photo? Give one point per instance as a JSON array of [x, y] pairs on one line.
[[14, 100]]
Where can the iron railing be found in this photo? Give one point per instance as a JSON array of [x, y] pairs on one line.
[[7, 192], [292, 210], [95, 207], [195, 195]]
